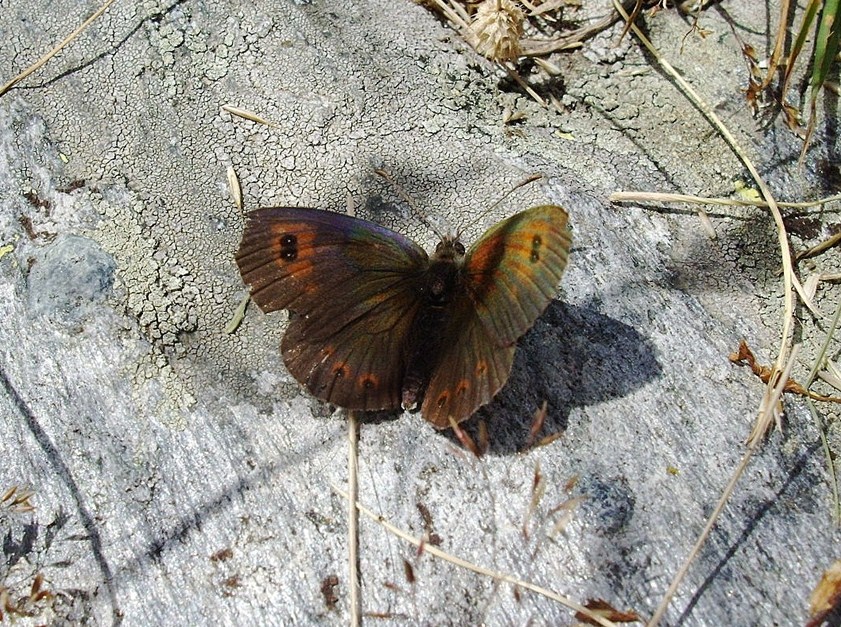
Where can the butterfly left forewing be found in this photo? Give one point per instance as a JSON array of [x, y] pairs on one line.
[[326, 266], [352, 287], [512, 272]]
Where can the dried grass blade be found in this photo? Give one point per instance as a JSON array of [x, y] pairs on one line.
[[43, 60]]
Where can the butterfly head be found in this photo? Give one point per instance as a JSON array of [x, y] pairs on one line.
[[449, 249]]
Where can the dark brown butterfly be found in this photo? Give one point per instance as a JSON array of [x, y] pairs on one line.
[[377, 324]]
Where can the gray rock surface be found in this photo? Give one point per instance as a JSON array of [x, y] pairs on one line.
[[181, 476]]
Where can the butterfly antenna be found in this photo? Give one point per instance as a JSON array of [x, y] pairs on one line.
[[408, 200], [529, 179]]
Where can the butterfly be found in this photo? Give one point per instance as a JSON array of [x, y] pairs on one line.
[[378, 324]]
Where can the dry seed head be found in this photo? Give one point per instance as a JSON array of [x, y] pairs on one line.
[[497, 28]]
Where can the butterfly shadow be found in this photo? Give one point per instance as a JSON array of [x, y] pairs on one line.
[[573, 356]]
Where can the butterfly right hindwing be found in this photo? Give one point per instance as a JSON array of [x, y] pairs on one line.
[[472, 368]]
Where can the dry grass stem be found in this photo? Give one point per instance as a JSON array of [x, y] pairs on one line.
[[831, 375], [17, 500], [353, 519], [537, 422], [707, 224], [62, 44], [736, 202], [515, 76], [822, 247], [465, 439], [782, 236], [497, 575], [239, 314], [774, 388], [824, 368], [771, 407], [805, 295], [457, 16]]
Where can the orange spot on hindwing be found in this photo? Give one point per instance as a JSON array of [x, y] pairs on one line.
[[368, 381], [442, 399]]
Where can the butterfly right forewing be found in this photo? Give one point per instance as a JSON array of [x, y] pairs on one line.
[[512, 272]]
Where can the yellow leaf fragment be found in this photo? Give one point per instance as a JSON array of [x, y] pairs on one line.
[[826, 596]]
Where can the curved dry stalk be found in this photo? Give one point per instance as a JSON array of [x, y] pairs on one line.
[[43, 60], [774, 389], [782, 237], [495, 574]]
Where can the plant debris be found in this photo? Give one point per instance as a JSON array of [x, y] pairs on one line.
[[745, 357]]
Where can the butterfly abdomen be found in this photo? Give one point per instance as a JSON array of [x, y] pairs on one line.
[[438, 288]]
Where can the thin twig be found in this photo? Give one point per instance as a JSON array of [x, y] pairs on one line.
[[353, 519], [500, 576], [819, 248], [703, 200], [43, 60]]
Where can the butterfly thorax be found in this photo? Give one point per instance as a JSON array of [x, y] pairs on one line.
[[442, 273]]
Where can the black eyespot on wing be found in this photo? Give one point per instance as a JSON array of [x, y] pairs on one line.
[[289, 247], [536, 243]]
